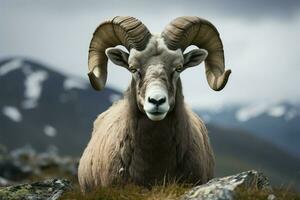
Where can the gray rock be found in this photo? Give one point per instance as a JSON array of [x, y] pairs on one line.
[[48, 189], [5, 182], [226, 187], [24, 162], [271, 197]]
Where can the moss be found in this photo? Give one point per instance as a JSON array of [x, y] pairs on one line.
[[36, 190], [11, 193]]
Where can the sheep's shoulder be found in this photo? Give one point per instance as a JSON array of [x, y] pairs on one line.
[[111, 127], [195, 123], [199, 155], [113, 119], [101, 158]]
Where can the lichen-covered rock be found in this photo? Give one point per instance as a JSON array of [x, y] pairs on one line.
[[48, 189], [225, 188]]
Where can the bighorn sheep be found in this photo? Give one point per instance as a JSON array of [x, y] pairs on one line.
[[150, 135]]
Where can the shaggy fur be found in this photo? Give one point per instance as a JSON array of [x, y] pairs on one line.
[[151, 136], [127, 147]]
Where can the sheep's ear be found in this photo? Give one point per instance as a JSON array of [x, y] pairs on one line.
[[194, 57], [117, 56]]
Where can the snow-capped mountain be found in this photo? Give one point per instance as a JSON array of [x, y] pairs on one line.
[[278, 123], [42, 107]]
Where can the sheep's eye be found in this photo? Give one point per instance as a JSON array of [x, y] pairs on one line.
[[179, 68], [133, 70]]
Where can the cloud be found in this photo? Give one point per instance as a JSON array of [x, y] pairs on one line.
[[263, 58], [234, 8], [260, 41], [252, 10]]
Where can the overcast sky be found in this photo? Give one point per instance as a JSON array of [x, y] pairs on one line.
[[261, 41]]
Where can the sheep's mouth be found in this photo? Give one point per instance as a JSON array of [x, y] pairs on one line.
[[156, 113]]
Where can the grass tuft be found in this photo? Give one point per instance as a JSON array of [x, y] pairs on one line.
[[169, 192], [280, 194], [130, 192]]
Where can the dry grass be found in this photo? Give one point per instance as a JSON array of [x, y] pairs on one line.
[[130, 192], [170, 192], [280, 194]]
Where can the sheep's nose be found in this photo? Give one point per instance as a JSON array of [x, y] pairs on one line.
[[157, 101]]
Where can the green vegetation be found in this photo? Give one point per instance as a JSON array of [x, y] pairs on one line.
[[280, 194], [169, 192], [129, 192]]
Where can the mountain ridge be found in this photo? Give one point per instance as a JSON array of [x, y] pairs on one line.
[[278, 122], [43, 103], [60, 114]]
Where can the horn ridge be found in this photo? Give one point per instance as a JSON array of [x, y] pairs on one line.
[[120, 30], [191, 30]]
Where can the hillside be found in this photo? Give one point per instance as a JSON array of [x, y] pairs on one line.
[[278, 123], [237, 150], [42, 107]]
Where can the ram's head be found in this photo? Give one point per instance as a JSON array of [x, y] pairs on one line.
[[156, 61]]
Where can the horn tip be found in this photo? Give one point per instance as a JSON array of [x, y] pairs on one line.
[[96, 83], [228, 72], [223, 80]]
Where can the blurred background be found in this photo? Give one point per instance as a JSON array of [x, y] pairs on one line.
[[47, 104]]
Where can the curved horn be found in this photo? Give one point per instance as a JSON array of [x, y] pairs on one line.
[[185, 31], [126, 31]]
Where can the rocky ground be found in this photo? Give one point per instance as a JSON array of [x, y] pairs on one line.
[[227, 187], [51, 189], [25, 164], [25, 174]]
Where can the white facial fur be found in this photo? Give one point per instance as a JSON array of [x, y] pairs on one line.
[[156, 90]]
